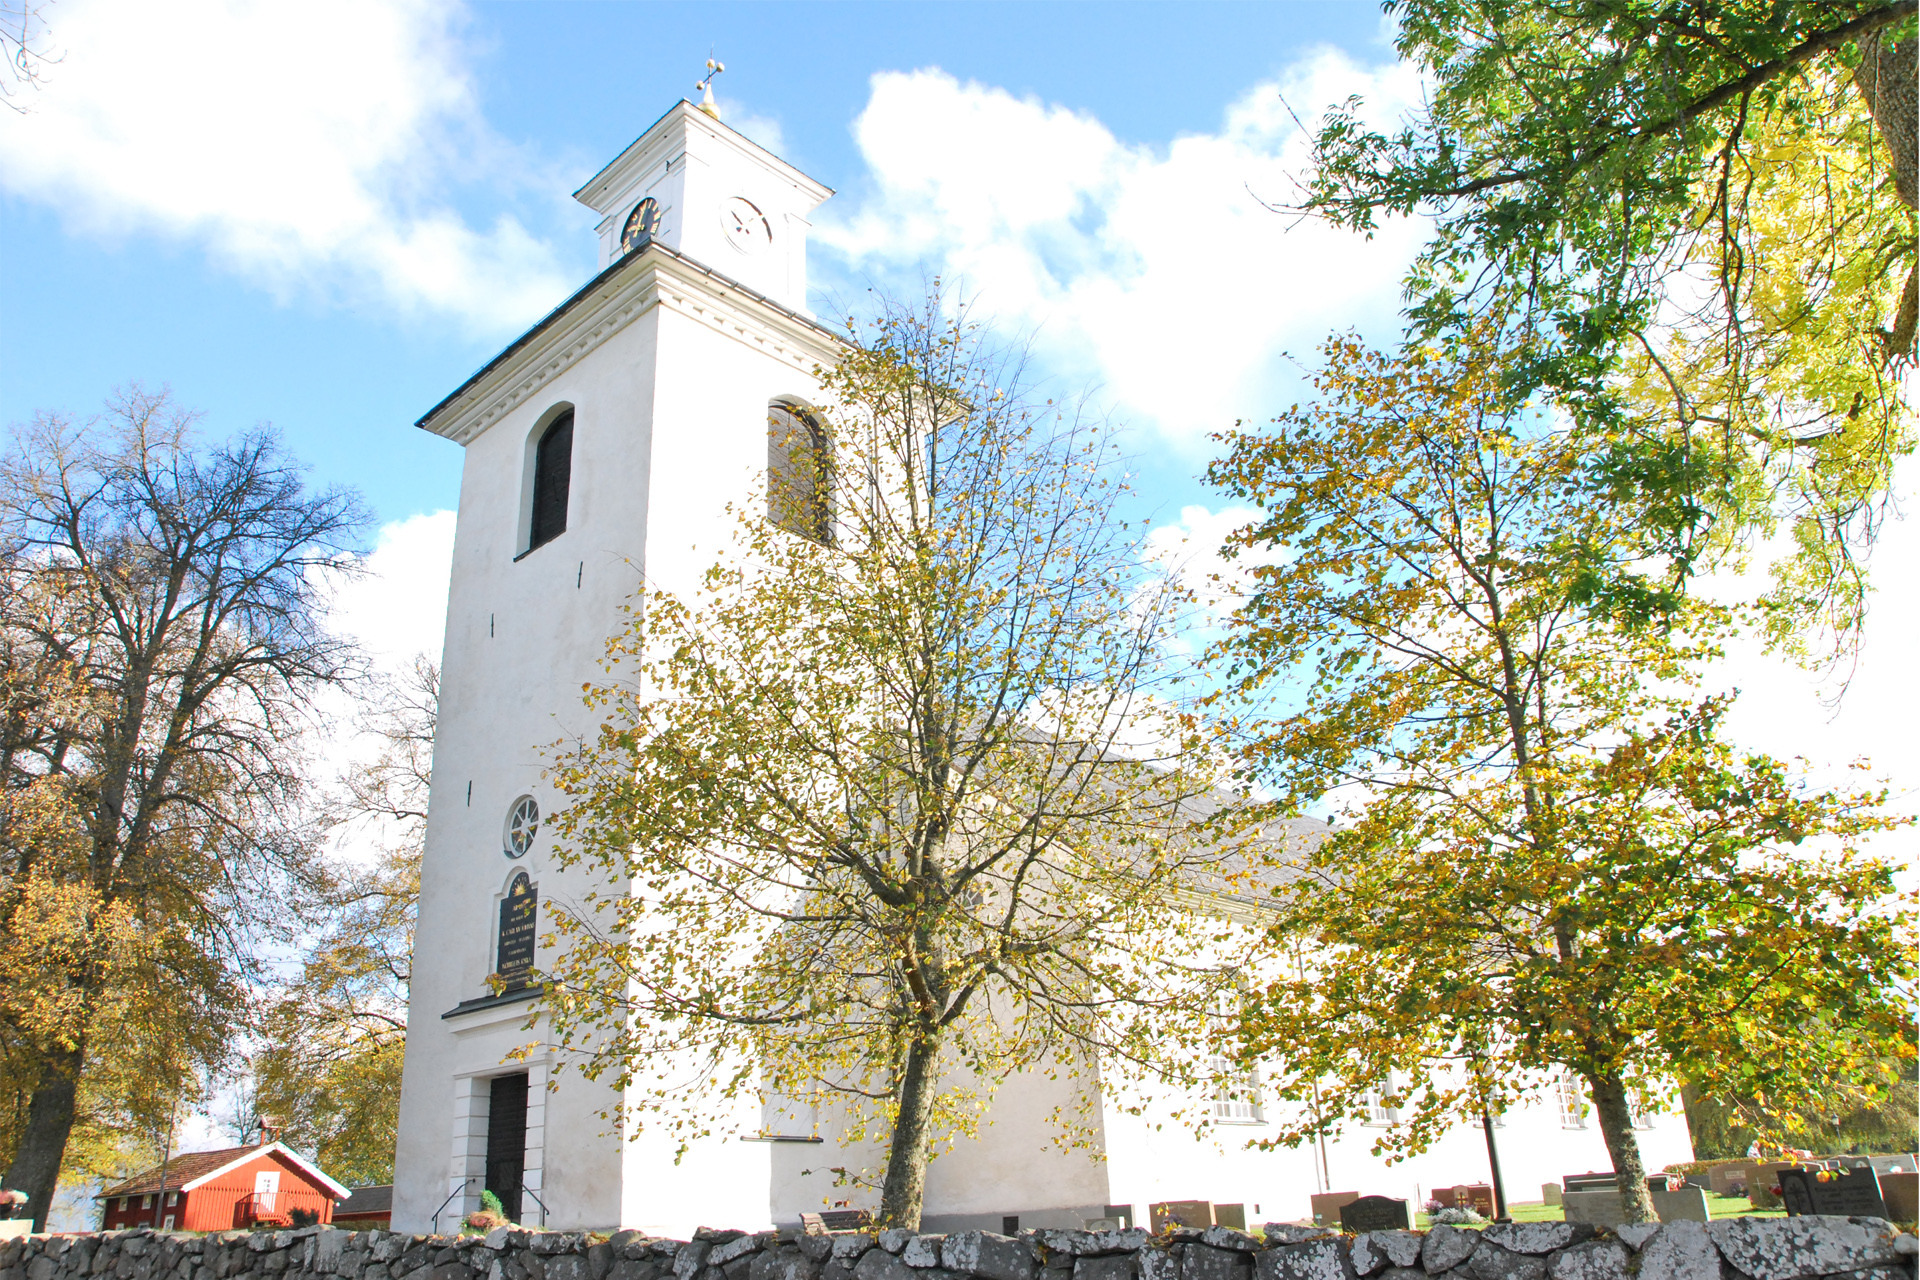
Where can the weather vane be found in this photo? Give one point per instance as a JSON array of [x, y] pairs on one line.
[[714, 68]]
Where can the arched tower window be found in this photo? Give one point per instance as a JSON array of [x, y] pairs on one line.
[[799, 473], [552, 469]]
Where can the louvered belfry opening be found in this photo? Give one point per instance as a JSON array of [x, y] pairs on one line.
[[552, 470], [799, 474], [507, 1141]]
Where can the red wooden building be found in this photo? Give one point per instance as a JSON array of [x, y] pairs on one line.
[[265, 1184]]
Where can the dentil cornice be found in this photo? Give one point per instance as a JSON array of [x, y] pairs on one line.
[[651, 276]]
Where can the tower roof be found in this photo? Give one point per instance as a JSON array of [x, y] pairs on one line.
[[603, 191]]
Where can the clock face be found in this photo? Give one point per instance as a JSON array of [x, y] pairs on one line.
[[643, 221], [747, 228]]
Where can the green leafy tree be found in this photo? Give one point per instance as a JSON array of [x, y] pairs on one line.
[[1555, 864], [901, 799], [1847, 1121], [1698, 222]]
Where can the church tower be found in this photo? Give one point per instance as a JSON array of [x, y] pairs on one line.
[[602, 446]]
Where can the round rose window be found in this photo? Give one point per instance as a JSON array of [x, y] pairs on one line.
[[523, 819]]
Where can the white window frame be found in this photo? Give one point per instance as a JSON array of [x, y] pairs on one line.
[[1228, 1109], [1379, 1114], [1573, 1102]]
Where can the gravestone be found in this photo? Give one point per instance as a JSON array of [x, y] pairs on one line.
[[519, 911], [1180, 1213], [1477, 1196], [1327, 1205], [1901, 1191], [1550, 1194], [1596, 1207], [1664, 1182], [1591, 1182], [1844, 1193], [1850, 1193], [1230, 1215], [1374, 1213], [1601, 1207], [1689, 1204], [1763, 1185]]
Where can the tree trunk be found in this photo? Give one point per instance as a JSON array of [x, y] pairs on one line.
[[1616, 1126], [906, 1183], [1886, 77], [43, 1145]]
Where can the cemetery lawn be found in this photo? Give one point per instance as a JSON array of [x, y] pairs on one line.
[[1534, 1211], [1717, 1207]]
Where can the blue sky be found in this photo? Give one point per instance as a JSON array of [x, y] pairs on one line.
[[326, 216], [186, 213]]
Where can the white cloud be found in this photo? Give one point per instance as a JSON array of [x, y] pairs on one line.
[[1157, 271], [1788, 711], [306, 147], [396, 611], [1190, 550], [764, 130], [399, 608]]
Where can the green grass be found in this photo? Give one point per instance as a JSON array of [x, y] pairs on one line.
[[1717, 1207]]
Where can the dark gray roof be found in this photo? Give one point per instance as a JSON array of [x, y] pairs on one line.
[[366, 1200]]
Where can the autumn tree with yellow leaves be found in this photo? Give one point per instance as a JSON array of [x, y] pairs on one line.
[[1555, 862], [903, 797], [161, 625]]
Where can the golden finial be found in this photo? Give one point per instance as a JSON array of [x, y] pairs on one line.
[[707, 104]]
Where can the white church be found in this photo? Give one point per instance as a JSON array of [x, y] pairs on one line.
[[607, 442]]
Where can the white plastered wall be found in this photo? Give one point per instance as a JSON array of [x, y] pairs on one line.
[[524, 632], [1154, 1159]]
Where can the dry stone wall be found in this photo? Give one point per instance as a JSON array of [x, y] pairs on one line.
[[1730, 1249]]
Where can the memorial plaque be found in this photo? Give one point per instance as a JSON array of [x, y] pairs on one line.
[[518, 913], [1374, 1213]]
